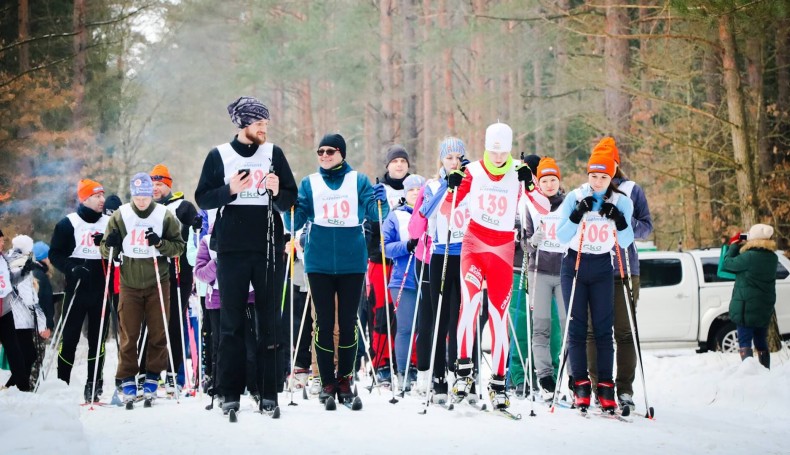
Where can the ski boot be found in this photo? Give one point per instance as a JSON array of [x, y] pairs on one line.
[[315, 386], [344, 392], [582, 391], [439, 390], [150, 386], [172, 385], [299, 378], [92, 396], [625, 400], [422, 383], [230, 403], [140, 378], [327, 391], [129, 390], [464, 384], [497, 392], [547, 387], [606, 396], [384, 377]]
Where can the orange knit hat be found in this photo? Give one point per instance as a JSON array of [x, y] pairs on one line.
[[548, 166], [601, 161], [608, 145], [161, 174], [87, 188]]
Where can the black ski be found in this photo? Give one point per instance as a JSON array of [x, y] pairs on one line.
[[508, 414], [330, 404], [232, 416], [354, 405], [129, 405], [147, 402]]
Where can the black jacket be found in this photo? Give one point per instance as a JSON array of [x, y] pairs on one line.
[[62, 246]]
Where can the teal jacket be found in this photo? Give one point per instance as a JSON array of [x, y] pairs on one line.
[[334, 250], [754, 292]]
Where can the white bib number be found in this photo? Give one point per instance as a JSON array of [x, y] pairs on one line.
[[83, 236], [335, 208]]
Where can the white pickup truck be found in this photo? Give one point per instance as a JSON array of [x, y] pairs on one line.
[[682, 302]]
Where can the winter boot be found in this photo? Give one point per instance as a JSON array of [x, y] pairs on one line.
[[625, 400], [89, 392], [765, 358], [439, 390], [547, 387], [344, 392], [582, 390], [230, 402], [315, 386], [498, 393], [606, 395], [171, 384], [129, 388], [150, 386], [422, 383], [299, 378], [463, 378], [329, 390], [746, 352]]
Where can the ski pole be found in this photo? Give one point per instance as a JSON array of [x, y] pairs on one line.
[[299, 336], [568, 316], [524, 264], [429, 395], [629, 300], [56, 337], [180, 328], [530, 306], [291, 254], [193, 352], [414, 319], [144, 338], [393, 400], [113, 312], [100, 342], [164, 311], [480, 351], [397, 304]]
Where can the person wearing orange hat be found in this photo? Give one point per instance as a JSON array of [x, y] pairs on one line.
[[180, 278], [74, 250], [642, 224], [589, 218], [540, 239]]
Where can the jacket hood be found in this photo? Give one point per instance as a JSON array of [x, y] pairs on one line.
[[763, 244]]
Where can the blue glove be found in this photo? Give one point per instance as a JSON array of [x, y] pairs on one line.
[[380, 192]]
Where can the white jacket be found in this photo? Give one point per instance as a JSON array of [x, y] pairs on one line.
[[24, 302]]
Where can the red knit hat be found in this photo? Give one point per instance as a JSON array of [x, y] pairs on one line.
[[608, 145], [87, 188], [160, 173], [601, 161], [548, 166]]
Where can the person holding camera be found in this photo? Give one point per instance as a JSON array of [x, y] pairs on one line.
[[247, 179], [753, 260]]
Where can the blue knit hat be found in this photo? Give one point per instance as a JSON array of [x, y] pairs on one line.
[[40, 250], [451, 145], [413, 181], [141, 185]]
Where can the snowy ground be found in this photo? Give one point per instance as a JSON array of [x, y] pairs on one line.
[[705, 403]]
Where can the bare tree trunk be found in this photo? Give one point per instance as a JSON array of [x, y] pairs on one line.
[[428, 139], [478, 82], [537, 105], [24, 33], [754, 72], [385, 72], [371, 140], [448, 108], [411, 139], [80, 45], [617, 63], [744, 173], [307, 138], [783, 87]]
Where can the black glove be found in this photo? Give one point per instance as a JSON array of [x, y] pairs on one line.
[[97, 238], [27, 267], [113, 240], [454, 179], [153, 239], [611, 211], [411, 245], [80, 272], [584, 206], [197, 223], [524, 173]]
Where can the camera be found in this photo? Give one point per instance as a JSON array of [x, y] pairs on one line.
[[742, 238]]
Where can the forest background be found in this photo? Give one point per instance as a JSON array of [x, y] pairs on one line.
[[697, 93]]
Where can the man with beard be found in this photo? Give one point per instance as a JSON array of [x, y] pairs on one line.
[[245, 179]]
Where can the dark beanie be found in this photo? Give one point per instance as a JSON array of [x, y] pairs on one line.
[[111, 204], [532, 161], [336, 141], [396, 151]]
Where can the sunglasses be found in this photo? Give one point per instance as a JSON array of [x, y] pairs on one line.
[[328, 152]]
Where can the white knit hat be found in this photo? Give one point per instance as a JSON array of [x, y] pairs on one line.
[[760, 232], [499, 138], [22, 243]]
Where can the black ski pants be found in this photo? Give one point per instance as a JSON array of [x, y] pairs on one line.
[[87, 304], [13, 351]]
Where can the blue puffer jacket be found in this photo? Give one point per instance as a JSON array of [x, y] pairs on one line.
[[334, 250], [396, 235]]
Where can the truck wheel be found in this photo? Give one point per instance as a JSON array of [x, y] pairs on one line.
[[727, 338]]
